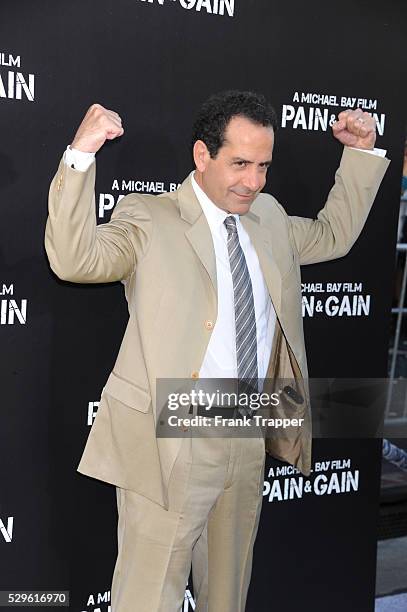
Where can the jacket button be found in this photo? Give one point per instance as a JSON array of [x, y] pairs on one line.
[[195, 375], [209, 325]]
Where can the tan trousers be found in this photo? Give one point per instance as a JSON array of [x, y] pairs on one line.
[[215, 495]]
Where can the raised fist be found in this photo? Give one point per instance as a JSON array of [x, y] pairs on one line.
[[98, 125], [355, 128]]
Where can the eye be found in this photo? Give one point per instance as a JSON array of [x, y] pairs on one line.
[[240, 164]]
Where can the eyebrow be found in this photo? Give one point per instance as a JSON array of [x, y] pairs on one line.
[[246, 161]]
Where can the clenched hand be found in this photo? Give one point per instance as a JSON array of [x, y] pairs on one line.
[[354, 128], [98, 125]]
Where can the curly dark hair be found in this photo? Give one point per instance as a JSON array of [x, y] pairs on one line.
[[214, 116]]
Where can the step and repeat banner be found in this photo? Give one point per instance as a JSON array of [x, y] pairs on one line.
[[154, 62]]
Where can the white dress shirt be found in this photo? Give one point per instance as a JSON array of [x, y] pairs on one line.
[[220, 358]]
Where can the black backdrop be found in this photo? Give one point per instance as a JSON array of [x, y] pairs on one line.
[[154, 62]]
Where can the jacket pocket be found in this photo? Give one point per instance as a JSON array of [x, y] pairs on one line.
[[127, 393]]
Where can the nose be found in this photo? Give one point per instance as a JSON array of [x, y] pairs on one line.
[[253, 179]]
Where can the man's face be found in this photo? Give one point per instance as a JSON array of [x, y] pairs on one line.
[[238, 173]]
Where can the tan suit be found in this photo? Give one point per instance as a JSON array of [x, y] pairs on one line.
[[161, 247]]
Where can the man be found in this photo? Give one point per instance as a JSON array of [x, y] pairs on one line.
[[212, 278]]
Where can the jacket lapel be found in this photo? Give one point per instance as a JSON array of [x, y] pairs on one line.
[[198, 233], [262, 244]]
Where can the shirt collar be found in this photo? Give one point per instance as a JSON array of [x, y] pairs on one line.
[[214, 215]]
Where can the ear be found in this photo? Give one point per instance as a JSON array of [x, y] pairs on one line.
[[201, 155]]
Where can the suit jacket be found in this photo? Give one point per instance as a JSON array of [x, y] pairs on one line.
[[161, 248]]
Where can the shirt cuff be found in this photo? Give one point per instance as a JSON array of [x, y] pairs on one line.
[[80, 160], [378, 152]]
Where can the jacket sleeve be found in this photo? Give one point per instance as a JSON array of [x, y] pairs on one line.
[[81, 251], [341, 220]]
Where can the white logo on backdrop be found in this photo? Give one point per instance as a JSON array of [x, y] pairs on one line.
[[318, 111], [107, 201], [213, 7], [101, 602], [11, 310], [92, 410], [6, 529], [286, 483], [335, 300], [98, 603], [14, 84], [189, 603]]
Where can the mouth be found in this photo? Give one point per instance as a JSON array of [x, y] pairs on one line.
[[243, 196]]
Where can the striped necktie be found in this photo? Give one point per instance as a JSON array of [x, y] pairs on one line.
[[245, 317]]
